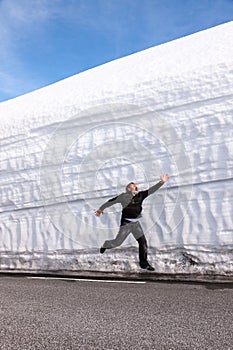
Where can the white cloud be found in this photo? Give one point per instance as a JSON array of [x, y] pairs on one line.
[[21, 21], [26, 21]]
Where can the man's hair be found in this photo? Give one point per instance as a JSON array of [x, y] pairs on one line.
[[131, 183]]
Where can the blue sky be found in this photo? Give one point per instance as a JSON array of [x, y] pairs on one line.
[[44, 41]]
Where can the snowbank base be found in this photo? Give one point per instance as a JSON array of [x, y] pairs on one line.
[[171, 263]]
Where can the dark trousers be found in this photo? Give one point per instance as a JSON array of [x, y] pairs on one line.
[[136, 229], [142, 247]]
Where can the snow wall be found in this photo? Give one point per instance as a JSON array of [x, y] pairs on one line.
[[69, 147]]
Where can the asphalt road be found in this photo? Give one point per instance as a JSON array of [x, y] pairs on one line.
[[69, 314]]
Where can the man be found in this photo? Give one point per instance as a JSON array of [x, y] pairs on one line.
[[131, 202]]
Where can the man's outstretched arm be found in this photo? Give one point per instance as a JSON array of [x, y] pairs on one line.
[[107, 204], [154, 188]]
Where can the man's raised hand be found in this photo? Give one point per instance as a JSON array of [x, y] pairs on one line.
[[164, 177]]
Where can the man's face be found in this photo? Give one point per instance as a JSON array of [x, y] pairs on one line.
[[133, 188]]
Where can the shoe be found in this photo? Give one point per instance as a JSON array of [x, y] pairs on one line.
[[102, 250], [148, 268]]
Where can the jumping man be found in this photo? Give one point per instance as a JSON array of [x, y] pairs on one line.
[[131, 202]]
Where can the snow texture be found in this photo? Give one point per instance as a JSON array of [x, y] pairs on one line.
[[69, 147]]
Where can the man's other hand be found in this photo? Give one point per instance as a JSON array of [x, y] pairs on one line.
[[98, 212]]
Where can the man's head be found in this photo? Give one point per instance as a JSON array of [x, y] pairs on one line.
[[132, 187]]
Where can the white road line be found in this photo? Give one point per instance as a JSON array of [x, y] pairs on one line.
[[85, 280]]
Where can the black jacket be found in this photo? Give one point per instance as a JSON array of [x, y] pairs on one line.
[[131, 205]]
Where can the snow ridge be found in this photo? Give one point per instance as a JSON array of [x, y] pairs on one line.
[[67, 148]]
